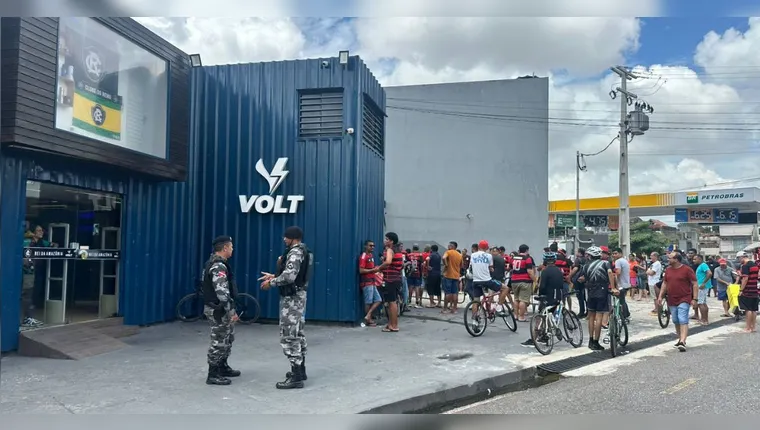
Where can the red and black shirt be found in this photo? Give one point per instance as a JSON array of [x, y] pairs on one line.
[[521, 263], [392, 273], [749, 271]]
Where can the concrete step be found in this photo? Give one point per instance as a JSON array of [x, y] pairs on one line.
[[75, 341]]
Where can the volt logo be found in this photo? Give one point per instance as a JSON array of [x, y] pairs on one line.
[[270, 203]]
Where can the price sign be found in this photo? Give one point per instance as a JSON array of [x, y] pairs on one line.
[[682, 215], [703, 215], [726, 216], [595, 221]]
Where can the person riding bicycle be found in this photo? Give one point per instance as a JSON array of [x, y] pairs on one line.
[[551, 285], [481, 266]]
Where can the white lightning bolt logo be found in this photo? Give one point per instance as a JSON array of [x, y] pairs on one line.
[[276, 176]]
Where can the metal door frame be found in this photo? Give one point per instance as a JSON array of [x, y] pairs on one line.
[[115, 276], [64, 280]]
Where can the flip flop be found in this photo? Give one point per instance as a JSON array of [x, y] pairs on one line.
[[388, 330]]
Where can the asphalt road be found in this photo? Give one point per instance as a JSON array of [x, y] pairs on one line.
[[717, 375]]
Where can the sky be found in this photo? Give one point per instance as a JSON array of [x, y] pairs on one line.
[[701, 75]]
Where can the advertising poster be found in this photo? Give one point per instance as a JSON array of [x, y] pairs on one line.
[[88, 81]]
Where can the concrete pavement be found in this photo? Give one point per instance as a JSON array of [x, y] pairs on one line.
[[716, 375], [432, 360]]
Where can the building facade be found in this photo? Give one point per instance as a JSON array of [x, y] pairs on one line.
[[89, 159], [469, 161], [119, 163]]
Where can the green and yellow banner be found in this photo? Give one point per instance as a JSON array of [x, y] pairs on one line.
[[96, 114]]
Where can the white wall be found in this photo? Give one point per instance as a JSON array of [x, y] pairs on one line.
[[445, 161]]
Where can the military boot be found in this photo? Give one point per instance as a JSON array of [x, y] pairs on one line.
[[303, 370], [292, 379], [215, 377], [226, 371]]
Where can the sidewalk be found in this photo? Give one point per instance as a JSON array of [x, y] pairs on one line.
[[350, 370]]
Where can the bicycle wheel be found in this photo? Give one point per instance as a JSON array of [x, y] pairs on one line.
[[190, 308], [509, 318], [573, 328], [539, 333], [663, 316], [247, 308], [612, 329], [623, 335], [475, 324]]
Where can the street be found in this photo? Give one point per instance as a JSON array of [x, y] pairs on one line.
[[717, 375]]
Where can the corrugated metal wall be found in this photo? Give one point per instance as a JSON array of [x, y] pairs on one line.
[[250, 111], [158, 238]]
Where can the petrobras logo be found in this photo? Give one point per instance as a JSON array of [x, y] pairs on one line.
[[271, 203]]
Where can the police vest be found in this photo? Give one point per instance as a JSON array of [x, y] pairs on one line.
[[209, 292], [304, 272]]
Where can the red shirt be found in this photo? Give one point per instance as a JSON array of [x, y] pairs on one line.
[[520, 265], [750, 271], [366, 261], [680, 284], [425, 256]]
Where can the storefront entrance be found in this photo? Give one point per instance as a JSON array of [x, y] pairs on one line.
[[72, 246]]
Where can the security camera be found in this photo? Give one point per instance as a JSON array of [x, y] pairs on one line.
[[350, 130], [325, 64]]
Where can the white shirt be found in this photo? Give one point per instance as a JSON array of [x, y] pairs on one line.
[[657, 269], [480, 264]]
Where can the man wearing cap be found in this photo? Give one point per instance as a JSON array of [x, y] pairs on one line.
[[724, 276], [748, 296], [219, 307], [292, 280]]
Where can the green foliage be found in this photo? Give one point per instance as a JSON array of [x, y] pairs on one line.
[[643, 239]]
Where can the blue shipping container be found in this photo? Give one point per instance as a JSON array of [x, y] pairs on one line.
[[244, 113]]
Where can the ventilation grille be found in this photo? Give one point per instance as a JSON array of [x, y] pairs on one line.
[[320, 114]]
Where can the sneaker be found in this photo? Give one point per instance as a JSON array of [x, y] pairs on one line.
[[31, 322], [677, 344], [682, 347], [528, 343]]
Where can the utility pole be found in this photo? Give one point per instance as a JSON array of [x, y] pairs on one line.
[[624, 230], [576, 240]]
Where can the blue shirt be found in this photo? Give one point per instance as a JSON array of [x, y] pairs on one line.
[[702, 270]]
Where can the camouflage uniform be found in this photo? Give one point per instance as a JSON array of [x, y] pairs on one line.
[[222, 329], [292, 338]]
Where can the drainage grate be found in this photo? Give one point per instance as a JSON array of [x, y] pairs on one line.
[[572, 363]]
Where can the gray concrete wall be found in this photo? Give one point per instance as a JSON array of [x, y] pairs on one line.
[[468, 161]]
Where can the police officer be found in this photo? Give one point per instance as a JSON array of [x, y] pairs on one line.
[[292, 280], [219, 292]]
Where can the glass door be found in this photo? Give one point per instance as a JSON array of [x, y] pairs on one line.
[[109, 273], [56, 279]]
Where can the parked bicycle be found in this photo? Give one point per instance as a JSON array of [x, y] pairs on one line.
[[545, 326], [476, 322], [618, 328], [190, 307]]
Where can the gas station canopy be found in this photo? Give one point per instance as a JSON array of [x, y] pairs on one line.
[[723, 206]]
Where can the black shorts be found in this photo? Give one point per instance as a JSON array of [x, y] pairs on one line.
[[433, 285], [748, 304], [390, 291], [598, 304], [479, 288]]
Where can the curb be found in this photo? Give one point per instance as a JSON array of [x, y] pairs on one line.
[[517, 380]]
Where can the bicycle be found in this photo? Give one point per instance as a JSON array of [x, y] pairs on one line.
[[544, 326], [617, 329], [190, 307], [663, 313], [486, 313], [401, 306]]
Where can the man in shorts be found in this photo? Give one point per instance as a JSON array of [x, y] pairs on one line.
[[748, 298], [523, 276], [679, 284], [598, 277], [368, 282], [481, 266]]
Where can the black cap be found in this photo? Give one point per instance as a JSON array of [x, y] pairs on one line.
[[221, 239], [294, 233]]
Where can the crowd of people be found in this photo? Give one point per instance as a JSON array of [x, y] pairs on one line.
[[684, 280]]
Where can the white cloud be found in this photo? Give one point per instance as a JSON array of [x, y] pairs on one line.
[[672, 155]]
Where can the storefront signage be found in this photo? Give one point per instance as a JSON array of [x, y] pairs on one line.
[[716, 197], [109, 89], [707, 215], [71, 254], [564, 221], [265, 204]]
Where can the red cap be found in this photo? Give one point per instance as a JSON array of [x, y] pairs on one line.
[[722, 261], [483, 244], [604, 249]]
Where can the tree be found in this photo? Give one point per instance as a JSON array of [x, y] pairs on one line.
[[643, 239]]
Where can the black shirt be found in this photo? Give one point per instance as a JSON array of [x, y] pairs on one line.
[[499, 268], [551, 284], [434, 264]]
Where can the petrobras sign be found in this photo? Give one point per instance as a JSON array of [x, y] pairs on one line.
[[265, 204], [716, 197]]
